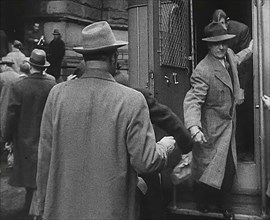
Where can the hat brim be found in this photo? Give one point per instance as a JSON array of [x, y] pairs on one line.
[[47, 64], [85, 50], [219, 38]]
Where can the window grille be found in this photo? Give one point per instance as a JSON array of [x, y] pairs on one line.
[[174, 32]]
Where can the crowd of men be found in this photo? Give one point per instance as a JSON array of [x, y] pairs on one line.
[[86, 148]]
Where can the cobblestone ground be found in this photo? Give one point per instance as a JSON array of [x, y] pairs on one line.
[[12, 201]]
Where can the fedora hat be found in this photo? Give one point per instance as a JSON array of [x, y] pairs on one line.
[[38, 58], [6, 60], [215, 32], [98, 37], [56, 32]]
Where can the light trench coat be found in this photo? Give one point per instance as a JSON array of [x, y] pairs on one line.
[[210, 105], [96, 135]]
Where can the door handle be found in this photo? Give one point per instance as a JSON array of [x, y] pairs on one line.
[[175, 79], [167, 80]]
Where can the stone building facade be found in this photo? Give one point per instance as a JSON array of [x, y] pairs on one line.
[[70, 17]]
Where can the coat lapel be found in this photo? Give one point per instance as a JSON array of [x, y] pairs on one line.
[[220, 72]]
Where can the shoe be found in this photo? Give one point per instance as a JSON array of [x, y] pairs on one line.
[[228, 215]]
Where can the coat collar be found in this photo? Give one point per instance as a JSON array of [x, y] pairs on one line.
[[38, 75], [97, 73], [220, 72]]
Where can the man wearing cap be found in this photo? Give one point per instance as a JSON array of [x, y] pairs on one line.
[[56, 54], [209, 112], [96, 135], [244, 112], [21, 119], [16, 54], [7, 74]]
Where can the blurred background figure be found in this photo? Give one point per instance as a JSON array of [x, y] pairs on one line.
[[244, 112], [34, 39], [56, 54], [17, 55], [7, 74], [24, 69], [3, 44]]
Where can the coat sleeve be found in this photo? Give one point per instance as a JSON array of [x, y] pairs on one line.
[[10, 111], [44, 153], [242, 56], [145, 156], [244, 38], [195, 98], [244, 63], [163, 117]]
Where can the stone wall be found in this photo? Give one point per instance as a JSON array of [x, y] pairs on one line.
[[71, 16]]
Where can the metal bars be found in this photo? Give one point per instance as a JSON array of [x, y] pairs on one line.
[[174, 33]]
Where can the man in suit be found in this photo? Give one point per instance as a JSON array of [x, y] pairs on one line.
[[96, 136], [244, 112], [209, 112], [20, 121]]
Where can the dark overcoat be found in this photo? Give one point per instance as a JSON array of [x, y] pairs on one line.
[[210, 105], [96, 135], [164, 118], [55, 56], [20, 121]]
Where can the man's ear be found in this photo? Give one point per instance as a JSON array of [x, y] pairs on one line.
[[114, 58]]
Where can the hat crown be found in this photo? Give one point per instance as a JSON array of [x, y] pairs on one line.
[[215, 32], [214, 29], [98, 34], [56, 32], [38, 57]]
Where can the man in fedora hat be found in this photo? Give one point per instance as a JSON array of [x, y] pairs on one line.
[[209, 112], [56, 54], [96, 135], [21, 118]]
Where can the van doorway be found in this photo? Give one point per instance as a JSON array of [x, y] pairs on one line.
[[240, 11]]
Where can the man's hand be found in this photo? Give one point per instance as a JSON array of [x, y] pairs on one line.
[[168, 142], [197, 135], [250, 46], [199, 138], [266, 100], [241, 97]]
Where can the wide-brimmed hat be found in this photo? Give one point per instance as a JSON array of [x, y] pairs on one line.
[[56, 32], [98, 37], [6, 60], [215, 32], [38, 58]]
